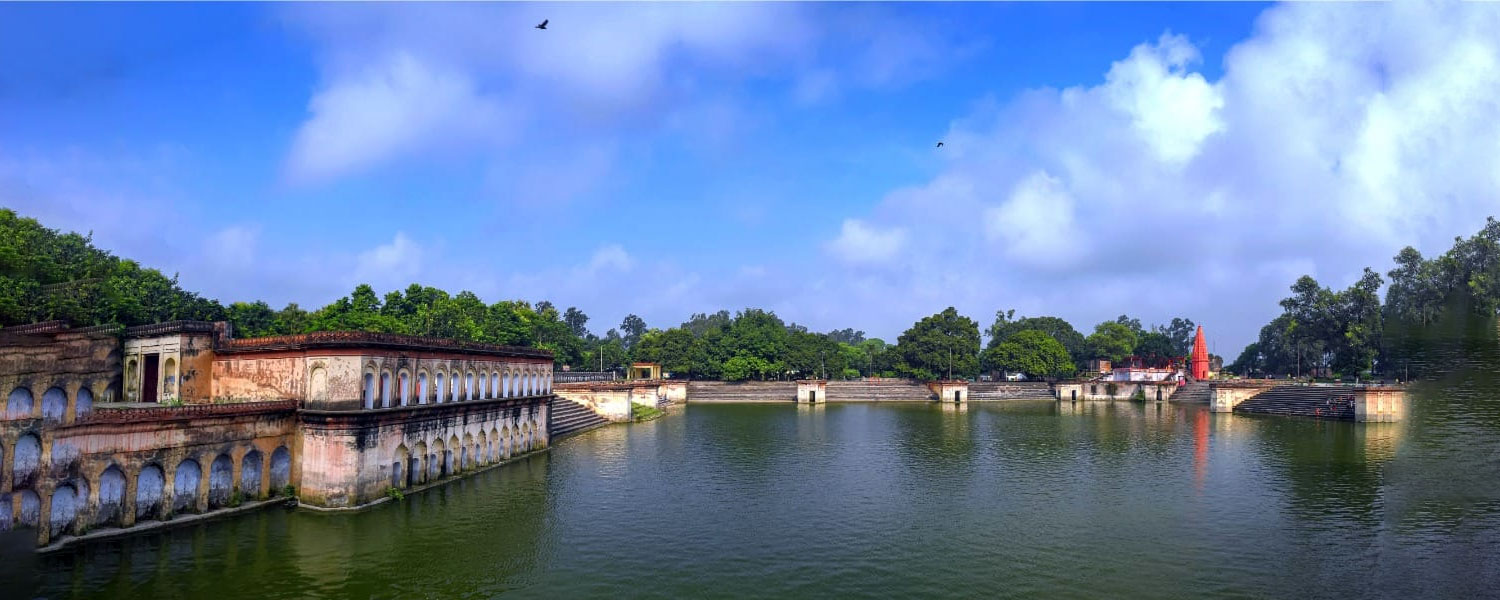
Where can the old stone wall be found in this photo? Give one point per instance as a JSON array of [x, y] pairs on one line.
[[350, 459], [1152, 391], [114, 468], [58, 377]]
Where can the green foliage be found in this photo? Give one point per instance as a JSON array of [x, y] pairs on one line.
[[1112, 341], [1156, 344], [644, 412], [289, 491], [236, 498], [394, 493], [1032, 352], [942, 345], [1059, 329], [742, 367]]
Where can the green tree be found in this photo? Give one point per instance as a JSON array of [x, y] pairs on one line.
[[1112, 341], [942, 345], [1032, 352], [1059, 329]]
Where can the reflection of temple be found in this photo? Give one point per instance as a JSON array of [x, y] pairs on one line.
[[107, 428]]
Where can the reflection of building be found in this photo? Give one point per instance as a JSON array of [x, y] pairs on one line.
[[644, 370], [206, 422]]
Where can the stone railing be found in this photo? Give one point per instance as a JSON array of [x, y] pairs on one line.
[[579, 376], [170, 327], [104, 414]]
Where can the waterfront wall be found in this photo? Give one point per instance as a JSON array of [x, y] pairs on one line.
[[117, 468], [613, 399], [1225, 395], [988, 391], [1152, 391], [352, 458], [1380, 404], [744, 391]]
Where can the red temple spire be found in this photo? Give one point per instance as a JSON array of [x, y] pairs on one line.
[[1200, 356]]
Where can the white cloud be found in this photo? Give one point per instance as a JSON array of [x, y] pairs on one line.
[[388, 110], [391, 265], [1336, 135], [610, 258], [859, 243]]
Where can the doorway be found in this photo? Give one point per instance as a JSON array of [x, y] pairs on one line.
[[812, 396], [148, 384], [958, 396]]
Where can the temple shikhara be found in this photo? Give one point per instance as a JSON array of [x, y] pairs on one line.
[[112, 428]]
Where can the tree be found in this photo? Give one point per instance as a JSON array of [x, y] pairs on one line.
[[632, 328], [1032, 352], [577, 322], [1059, 329], [252, 319], [943, 345], [1180, 333], [1156, 344], [1112, 341], [741, 367]]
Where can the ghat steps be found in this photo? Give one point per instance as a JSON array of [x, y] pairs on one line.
[[747, 391], [984, 391], [567, 417], [1196, 392], [881, 390], [1303, 401]]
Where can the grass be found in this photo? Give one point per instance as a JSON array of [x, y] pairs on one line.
[[645, 412]]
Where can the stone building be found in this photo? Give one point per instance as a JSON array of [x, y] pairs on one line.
[[110, 429]]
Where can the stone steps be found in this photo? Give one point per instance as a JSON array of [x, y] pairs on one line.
[[1302, 401], [985, 391], [749, 391], [1196, 392], [897, 390], [566, 417]]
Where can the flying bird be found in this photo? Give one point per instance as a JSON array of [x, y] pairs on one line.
[[940, 144], [542, 25]]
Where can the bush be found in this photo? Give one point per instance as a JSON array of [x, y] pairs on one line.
[[394, 493]]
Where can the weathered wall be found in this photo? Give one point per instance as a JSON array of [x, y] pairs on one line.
[[1224, 396], [984, 391], [352, 458], [355, 381], [612, 399], [258, 379], [949, 391], [116, 467], [675, 392], [1154, 391], [1379, 404], [812, 391]]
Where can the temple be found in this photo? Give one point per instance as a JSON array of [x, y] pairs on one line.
[[1200, 356], [119, 428]]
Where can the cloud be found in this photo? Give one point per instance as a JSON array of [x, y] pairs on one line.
[[390, 110], [612, 258], [859, 243], [390, 265], [1335, 135]]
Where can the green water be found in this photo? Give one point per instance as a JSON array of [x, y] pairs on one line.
[[892, 500]]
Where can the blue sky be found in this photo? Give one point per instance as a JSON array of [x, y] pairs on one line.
[[1154, 159]]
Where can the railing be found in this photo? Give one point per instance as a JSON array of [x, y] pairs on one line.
[[186, 411], [170, 327], [581, 376]]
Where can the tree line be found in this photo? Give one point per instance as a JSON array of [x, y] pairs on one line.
[[45, 274], [1351, 333]]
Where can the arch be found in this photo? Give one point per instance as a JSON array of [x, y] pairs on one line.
[[64, 509], [6, 506], [169, 379], [317, 388], [398, 468], [368, 400], [454, 449], [281, 468], [220, 481], [111, 496], [454, 396], [422, 390], [251, 465], [466, 454], [387, 399], [437, 460], [495, 443], [438, 388], [83, 404], [505, 382], [481, 449], [469, 386], [18, 405], [185, 485], [132, 376], [505, 441], [494, 384], [403, 388], [418, 461], [26, 460], [148, 491], [31, 509]]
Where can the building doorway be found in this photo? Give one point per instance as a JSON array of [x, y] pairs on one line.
[[149, 378]]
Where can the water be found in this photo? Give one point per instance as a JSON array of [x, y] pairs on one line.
[[893, 500]]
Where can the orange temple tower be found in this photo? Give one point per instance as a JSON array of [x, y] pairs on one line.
[[1200, 356]]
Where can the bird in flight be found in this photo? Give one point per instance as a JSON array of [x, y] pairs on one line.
[[542, 25], [940, 144]]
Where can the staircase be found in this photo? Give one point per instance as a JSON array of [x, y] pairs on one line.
[[1318, 402], [987, 391], [883, 390], [1196, 392], [748, 391], [566, 417]]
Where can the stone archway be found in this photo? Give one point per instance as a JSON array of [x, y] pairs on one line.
[[250, 473], [149, 486], [185, 485], [111, 496]]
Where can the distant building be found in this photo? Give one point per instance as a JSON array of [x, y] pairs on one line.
[[644, 370], [1200, 356]]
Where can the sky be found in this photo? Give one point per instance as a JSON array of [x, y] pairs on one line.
[[1154, 159]]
